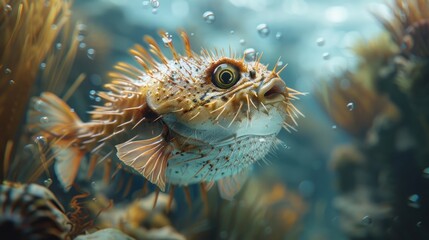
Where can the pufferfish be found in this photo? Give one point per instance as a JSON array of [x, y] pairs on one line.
[[193, 118]]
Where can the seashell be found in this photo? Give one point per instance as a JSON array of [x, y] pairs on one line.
[[31, 211]]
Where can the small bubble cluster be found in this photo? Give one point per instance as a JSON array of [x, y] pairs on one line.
[[154, 4], [92, 94], [167, 38], [209, 17], [263, 30], [82, 32]]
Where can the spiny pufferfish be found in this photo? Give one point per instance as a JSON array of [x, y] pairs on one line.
[[194, 118]]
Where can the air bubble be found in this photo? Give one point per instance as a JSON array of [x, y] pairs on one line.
[[279, 35], [367, 220], [90, 53], [263, 30], [54, 27], [41, 141], [58, 46], [38, 105], [242, 42], [284, 146], [7, 71], [167, 38], [326, 56], [279, 63], [7, 8], [414, 201], [334, 126], [154, 3], [231, 32], [350, 106], [11, 82], [82, 45], [146, 4], [44, 119], [47, 182], [320, 41], [419, 224], [42, 66], [92, 94], [82, 32], [249, 54], [209, 17], [154, 11]]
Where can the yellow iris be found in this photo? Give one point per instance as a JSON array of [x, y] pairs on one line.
[[225, 76]]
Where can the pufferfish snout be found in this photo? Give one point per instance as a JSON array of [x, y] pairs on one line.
[[272, 92], [195, 118]]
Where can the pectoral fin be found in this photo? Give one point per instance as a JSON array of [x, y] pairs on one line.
[[148, 157], [230, 186]]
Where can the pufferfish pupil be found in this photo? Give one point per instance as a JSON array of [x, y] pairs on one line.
[[225, 76]]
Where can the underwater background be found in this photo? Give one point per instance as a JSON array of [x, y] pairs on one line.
[[356, 168]]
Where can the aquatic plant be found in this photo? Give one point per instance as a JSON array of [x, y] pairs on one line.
[[28, 32], [265, 209], [389, 87]]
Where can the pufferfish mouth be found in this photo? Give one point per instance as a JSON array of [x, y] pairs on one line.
[[272, 92]]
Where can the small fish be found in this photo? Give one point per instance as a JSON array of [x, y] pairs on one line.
[[195, 118]]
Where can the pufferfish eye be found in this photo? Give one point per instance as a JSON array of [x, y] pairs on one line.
[[225, 76]]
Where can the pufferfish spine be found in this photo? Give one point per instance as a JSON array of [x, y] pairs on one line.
[[31, 212], [195, 118]]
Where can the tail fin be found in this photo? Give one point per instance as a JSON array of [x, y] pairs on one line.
[[53, 118]]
